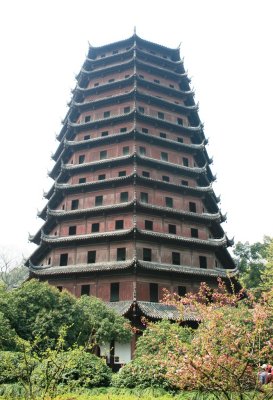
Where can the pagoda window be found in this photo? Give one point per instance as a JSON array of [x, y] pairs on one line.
[[146, 174], [203, 262], [124, 197], [171, 86], [91, 257], [142, 151], [194, 232], [166, 178], [184, 183], [111, 80], [85, 290], [141, 110], [126, 109], [144, 197], [160, 115], [87, 118], [180, 139], [156, 81], [49, 261], [95, 227], [101, 177], [124, 129], [81, 159], [82, 180], [63, 259], [114, 291], [147, 254], [149, 225], [106, 114], [162, 135], [104, 133], [180, 121], [172, 229], [122, 173], [86, 137], [185, 161], [216, 264], [125, 150], [96, 84], [72, 230], [103, 154], [145, 130], [119, 224], [175, 258], [75, 204], [154, 292], [182, 290], [63, 207], [121, 254], [164, 156], [169, 202], [60, 288], [192, 206], [98, 201]]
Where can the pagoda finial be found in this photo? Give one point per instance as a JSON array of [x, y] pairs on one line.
[[135, 30]]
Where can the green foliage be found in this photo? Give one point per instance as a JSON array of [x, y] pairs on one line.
[[267, 273], [251, 260], [7, 334], [73, 368], [37, 311], [100, 324], [10, 364], [146, 369]]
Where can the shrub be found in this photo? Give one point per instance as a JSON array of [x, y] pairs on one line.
[[10, 366], [74, 368]]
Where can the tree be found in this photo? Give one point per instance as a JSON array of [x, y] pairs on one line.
[[251, 260], [233, 338], [37, 311], [12, 269], [267, 273]]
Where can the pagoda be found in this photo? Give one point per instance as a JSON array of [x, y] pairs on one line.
[[132, 210]]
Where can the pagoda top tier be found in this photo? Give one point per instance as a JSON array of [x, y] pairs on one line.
[[135, 40]]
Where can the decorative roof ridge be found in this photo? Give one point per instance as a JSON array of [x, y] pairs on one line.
[[83, 124], [183, 167], [182, 127], [84, 210], [86, 72], [176, 74], [106, 263], [98, 60], [98, 139], [182, 213], [169, 49], [71, 238], [104, 98], [86, 184], [186, 269], [167, 60], [96, 48], [99, 162], [182, 106], [204, 189], [210, 242], [104, 85], [183, 92]]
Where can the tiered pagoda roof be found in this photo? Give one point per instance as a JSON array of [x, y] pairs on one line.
[[132, 127]]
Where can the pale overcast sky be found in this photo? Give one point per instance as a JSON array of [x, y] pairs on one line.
[[227, 49]]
